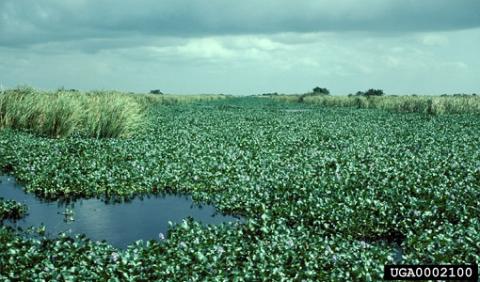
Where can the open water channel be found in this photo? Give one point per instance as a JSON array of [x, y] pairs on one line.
[[120, 224]]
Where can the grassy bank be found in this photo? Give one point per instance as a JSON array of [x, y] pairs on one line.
[[435, 105], [64, 113], [98, 114], [179, 99]]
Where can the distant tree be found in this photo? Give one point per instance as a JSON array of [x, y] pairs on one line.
[[320, 91], [270, 94], [317, 91], [156, 91], [374, 92], [63, 89], [359, 93], [350, 95]]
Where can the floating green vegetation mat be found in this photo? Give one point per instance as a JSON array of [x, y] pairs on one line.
[[329, 193], [11, 210]]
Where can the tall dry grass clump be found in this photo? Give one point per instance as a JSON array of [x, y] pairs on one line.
[[64, 113], [283, 98], [435, 105], [111, 114], [148, 99]]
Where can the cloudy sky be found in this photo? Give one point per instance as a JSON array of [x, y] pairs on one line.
[[242, 47]]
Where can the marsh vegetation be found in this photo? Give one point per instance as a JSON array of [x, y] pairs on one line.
[[433, 105], [97, 114], [332, 193]]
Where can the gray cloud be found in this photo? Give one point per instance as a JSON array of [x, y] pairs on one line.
[[35, 21], [432, 62], [241, 47]]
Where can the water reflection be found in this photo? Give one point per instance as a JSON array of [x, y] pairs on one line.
[[119, 224]]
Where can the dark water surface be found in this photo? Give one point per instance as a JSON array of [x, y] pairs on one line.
[[119, 224]]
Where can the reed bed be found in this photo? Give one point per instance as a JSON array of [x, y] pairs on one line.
[[435, 105], [98, 114], [64, 113], [148, 99]]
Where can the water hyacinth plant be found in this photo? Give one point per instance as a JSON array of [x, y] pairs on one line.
[[10, 209]]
